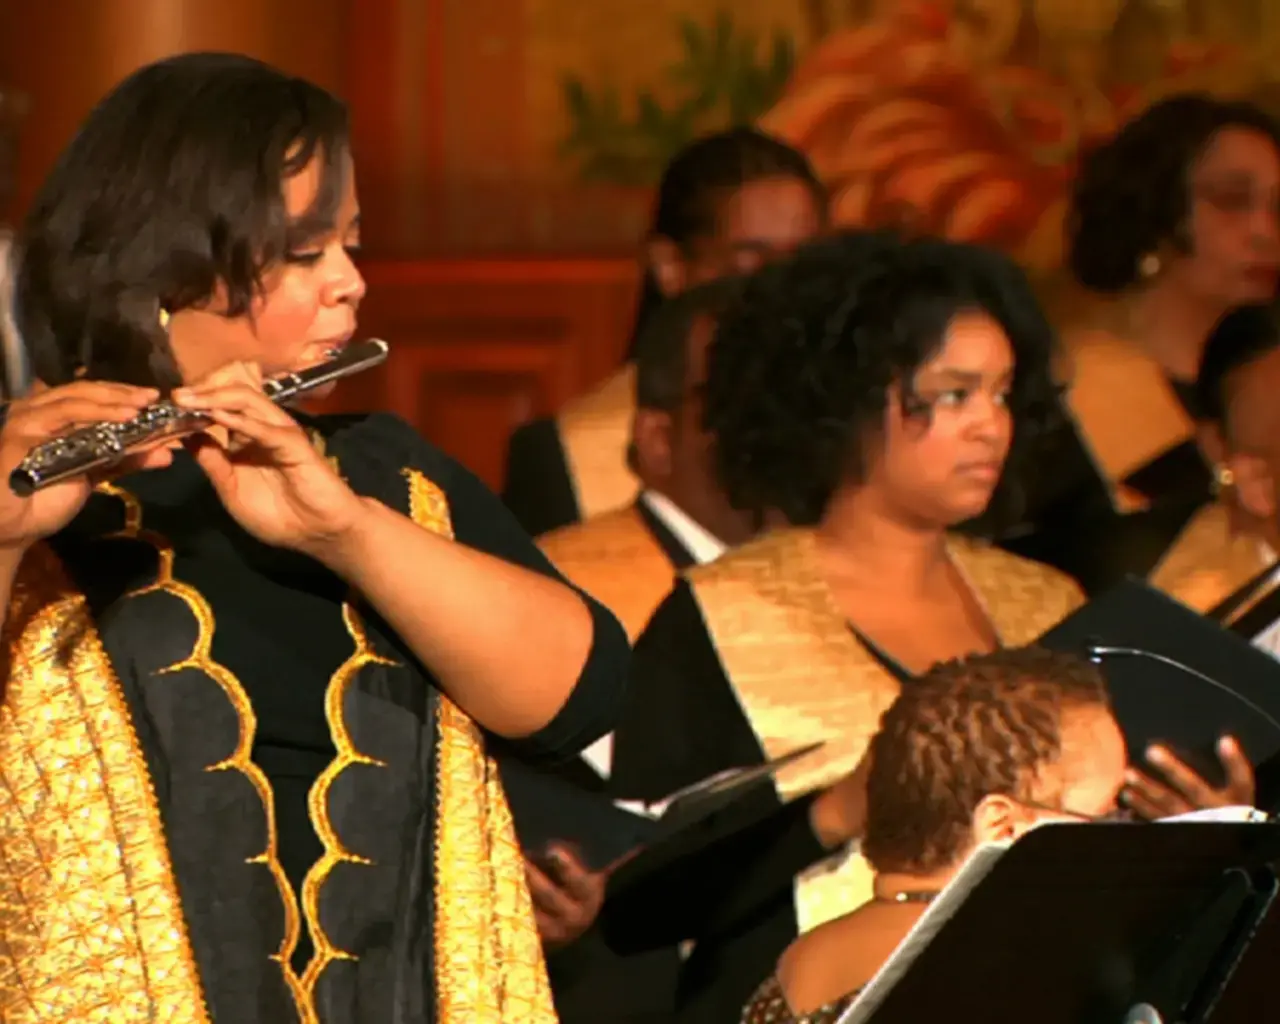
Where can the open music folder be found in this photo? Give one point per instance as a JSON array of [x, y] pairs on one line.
[[549, 808]]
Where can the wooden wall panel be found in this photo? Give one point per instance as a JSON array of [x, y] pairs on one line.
[[66, 55], [481, 346]]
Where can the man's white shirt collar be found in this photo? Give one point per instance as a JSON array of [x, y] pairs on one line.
[[703, 547]]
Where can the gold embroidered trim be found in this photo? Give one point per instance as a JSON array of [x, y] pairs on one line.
[[595, 430], [335, 852], [1209, 561], [92, 923], [489, 963], [240, 759], [588, 554]]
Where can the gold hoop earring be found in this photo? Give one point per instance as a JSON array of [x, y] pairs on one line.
[[164, 319], [1149, 266]]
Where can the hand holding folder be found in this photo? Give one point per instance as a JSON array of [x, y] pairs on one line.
[[1180, 680]]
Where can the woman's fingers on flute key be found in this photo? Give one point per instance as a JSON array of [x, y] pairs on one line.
[[49, 413], [50, 419]]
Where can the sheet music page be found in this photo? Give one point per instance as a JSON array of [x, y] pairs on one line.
[[1232, 815], [1269, 640], [940, 911]]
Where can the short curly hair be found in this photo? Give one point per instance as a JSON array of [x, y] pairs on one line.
[[802, 364], [1132, 194], [966, 730]]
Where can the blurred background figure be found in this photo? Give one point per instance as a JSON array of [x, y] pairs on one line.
[[13, 107], [726, 204], [1236, 536]]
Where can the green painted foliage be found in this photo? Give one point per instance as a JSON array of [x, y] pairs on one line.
[[724, 77]]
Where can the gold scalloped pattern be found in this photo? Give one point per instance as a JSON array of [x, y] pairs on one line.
[[240, 759], [335, 852]]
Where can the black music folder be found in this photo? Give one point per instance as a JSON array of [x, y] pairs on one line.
[[1092, 923], [547, 806], [1179, 678], [550, 805]]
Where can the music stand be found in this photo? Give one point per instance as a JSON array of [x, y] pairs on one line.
[[1093, 924]]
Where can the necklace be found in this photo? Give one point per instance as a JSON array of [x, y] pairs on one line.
[[907, 896]]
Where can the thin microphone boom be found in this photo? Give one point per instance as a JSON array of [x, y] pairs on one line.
[[101, 445]]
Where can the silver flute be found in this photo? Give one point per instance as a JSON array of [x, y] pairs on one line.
[[101, 445]]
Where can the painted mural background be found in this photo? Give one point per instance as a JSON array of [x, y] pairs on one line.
[[959, 117]]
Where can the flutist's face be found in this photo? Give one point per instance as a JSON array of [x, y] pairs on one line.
[[309, 302]]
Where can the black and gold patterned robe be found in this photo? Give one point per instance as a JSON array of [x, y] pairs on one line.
[[230, 793], [1209, 561], [573, 467], [748, 659], [626, 559], [1111, 488]]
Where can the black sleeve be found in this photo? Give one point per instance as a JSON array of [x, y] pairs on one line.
[[481, 521], [681, 721], [538, 490]]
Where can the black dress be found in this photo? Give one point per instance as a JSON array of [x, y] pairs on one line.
[[683, 723], [225, 647]]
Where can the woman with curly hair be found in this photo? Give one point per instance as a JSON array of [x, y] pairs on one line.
[[1174, 222], [866, 394], [873, 396]]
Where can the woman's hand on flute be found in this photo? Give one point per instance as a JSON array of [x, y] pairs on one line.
[[263, 465], [49, 413]]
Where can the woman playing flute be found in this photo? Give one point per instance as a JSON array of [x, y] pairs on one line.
[[248, 692]]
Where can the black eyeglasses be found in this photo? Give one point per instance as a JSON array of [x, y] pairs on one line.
[[1118, 816]]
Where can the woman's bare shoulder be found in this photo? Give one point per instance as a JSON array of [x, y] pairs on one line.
[[837, 958]]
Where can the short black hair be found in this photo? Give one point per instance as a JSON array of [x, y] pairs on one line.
[[802, 363], [173, 186], [662, 352], [968, 729], [1132, 194], [700, 177], [1240, 337]]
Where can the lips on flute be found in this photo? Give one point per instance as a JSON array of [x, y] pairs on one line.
[[102, 445]]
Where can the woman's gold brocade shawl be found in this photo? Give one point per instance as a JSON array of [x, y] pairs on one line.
[[595, 431], [1209, 561], [1125, 411], [802, 676], [616, 559], [92, 926]]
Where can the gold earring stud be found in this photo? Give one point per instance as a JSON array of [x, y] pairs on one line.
[[164, 319], [1224, 478], [1149, 266]]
